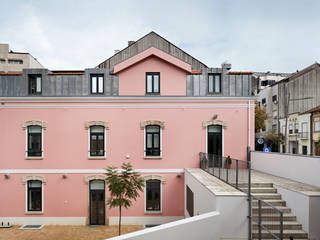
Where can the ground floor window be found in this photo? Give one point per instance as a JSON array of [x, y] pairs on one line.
[[34, 196], [304, 150], [153, 195], [189, 201]]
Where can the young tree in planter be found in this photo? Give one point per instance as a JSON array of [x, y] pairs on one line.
[[124, 187]]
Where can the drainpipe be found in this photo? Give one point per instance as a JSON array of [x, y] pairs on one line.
[[249, 124]]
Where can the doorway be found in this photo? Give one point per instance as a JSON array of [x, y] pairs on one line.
[[214, 145], [97, 202]]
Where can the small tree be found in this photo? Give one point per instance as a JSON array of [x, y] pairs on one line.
[[124, 186], [260, 117]]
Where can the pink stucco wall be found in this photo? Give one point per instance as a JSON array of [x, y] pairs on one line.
[[66, 139], [132, 81], [70, 197]]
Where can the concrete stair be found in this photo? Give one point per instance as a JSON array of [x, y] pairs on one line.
[[270, 217]]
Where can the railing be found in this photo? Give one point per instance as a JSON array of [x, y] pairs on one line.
[[237, 173], [267, 220], [232, 171], [304, 135]]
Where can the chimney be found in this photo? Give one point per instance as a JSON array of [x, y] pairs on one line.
[[116, 51], [130, 43], [226, 65]]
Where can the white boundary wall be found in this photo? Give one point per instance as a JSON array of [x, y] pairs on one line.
[[299, 168], [205, 227], [233, 208]]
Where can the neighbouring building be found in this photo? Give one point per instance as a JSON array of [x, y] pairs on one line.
[[151, 104], [261, 80], [298, 93], [11, 61]]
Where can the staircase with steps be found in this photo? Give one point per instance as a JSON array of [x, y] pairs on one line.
[[270, 216]]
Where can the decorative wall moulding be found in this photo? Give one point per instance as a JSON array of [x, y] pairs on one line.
[[97, 123], [34, 123], [155, 177], [152, 122], [214, 122], [87, 179], [25, 179]]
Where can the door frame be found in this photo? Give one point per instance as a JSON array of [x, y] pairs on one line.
[[104, 199], [222, 136]]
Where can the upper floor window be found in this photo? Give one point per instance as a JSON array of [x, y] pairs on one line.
[[153, 195], [290, 129], [274, 99], [317, 126], [263, 101], [153, 140], [15, 61], [97, 141], [34, 196], [97, 81], [214, 83], [2, 61], [34, 141], [152, 83], [296, 128], [35, 84]]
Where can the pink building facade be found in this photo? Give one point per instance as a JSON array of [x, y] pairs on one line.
[[152, 106]]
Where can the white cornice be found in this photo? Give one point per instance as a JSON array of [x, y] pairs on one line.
[[123, 99], [85, 171]]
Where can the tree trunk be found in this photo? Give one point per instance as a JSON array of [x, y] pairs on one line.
[[119, 220]]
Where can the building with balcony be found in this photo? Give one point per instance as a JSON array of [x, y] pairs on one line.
[[11, 61], [151, 104]]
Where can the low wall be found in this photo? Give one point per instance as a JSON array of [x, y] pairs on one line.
[[232, 206], [299, 168], [206, 226], [307, 209]]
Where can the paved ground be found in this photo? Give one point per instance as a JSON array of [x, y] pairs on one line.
[[51, 232]]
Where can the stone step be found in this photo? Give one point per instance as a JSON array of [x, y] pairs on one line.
[[245, 185], [261, 190], [264, 196], [271, 210], [296, 234], [276, 225], [273, 202], [276, 217]]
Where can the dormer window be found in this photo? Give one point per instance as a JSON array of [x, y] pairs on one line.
[[35, 84], [97, 81], [214, 83], [153, 83]]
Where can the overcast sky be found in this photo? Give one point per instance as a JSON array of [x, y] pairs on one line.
[[270, 35]]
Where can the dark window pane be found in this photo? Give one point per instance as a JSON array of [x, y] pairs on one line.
[[34, 196], [153, 201], [34, 141], [97, 141]]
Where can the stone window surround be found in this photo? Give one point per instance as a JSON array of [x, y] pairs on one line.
[[214, 122], [162, 181], [43, 181], [89, 124], [87, 179], [143, 125], [25, 126]]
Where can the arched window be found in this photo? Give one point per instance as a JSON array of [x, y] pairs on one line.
[[153, 143], [153, 195], [34, 196], [34, 141], [97, 141]]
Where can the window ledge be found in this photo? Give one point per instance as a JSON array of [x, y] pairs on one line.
[[153, 157], [34, 158], [97, 158], [33, 213], [152, 212]]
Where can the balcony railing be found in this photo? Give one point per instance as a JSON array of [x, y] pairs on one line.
[[304, 135]]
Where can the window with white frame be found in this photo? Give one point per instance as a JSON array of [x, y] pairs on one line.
[[35, 82], [290, 129], [34, 141], [214, 83], [97, 83], [34, 196], [152, 140], [296, 127], [317, 126], [153, 195], [97, 141]]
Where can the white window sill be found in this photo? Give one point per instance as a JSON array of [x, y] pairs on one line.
[[34, 158], [152, 212], [34, 213], [153, 157], [97, 158]]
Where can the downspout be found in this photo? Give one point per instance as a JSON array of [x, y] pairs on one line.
[[249, 124]]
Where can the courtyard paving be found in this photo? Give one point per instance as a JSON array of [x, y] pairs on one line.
[[54, 232]]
